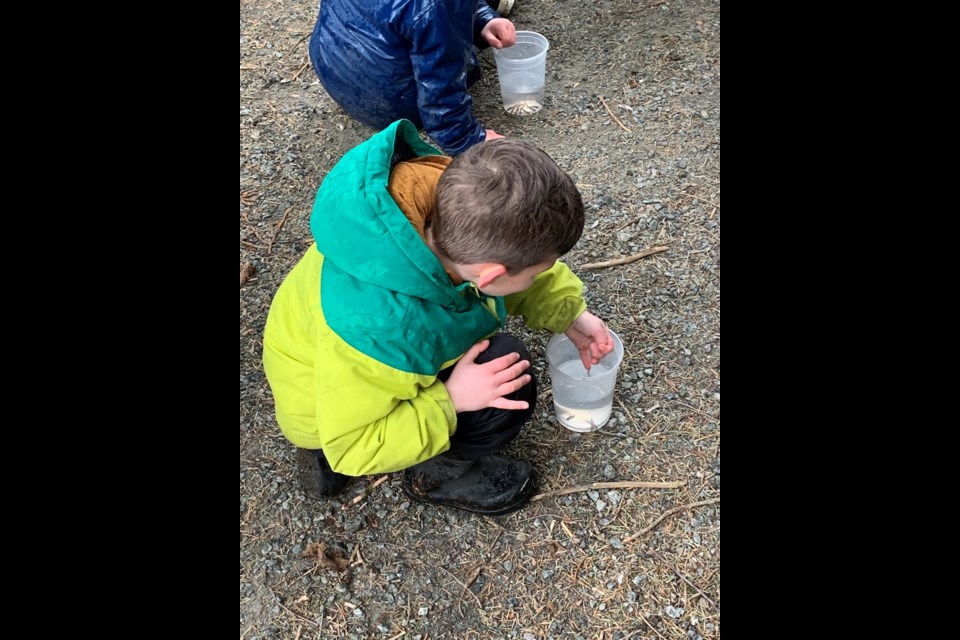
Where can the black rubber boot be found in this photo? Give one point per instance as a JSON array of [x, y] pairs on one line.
[[491, 486], [316, 477]]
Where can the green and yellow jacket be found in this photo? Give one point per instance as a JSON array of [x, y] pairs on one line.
[[362, 325]]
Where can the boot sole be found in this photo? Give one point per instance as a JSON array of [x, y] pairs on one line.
[[526, 492]]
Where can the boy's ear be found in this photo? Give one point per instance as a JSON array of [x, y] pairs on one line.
[[489, 274]]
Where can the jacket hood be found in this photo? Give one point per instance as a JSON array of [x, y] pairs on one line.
[[359, 227]]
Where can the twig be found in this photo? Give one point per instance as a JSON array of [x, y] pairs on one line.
[[297, 74], [255, 232], [465, 588], [277, 230], [297, 44], [702, 199], [692, 408], [670, 512], [356, 554], [366, 492], [627, 260], [684, 578], [251, 245], [626, 484], [649, 6], [250, 505], [473, 578], [644, 618], [613, 115], [292, 612], [263, 242], [399, 635], [630, 415]]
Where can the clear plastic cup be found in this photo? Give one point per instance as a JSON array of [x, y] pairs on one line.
[[582, 401], [522, 73]]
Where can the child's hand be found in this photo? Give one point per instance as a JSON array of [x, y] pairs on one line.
[[475, 386], [590, 335], [491, 135], [499, 33]]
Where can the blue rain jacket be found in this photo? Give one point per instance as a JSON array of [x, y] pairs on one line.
[[382, 60]]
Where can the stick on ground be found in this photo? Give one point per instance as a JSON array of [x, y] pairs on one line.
[[685, 579], [613, 115], [627, 260], [670, 512], [366, 491], [626, 484]]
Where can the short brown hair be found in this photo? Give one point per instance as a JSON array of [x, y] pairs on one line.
[[506, 201]]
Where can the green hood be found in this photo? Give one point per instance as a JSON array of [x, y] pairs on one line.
[[358, 226], [384, 291]]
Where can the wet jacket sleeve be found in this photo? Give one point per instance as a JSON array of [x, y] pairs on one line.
[[484, 15], [440, 55], [373, 418], [552, 302]]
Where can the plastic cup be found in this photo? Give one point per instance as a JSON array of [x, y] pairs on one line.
[[582, 402], [522, 73]]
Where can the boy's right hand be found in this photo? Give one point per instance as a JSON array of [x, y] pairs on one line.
[[499, 33], [475, 386], [591, 337]]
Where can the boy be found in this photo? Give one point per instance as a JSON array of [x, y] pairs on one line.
[[382, 346], [382, 60]]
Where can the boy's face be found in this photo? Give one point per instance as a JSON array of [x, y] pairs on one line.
[[505, 284]]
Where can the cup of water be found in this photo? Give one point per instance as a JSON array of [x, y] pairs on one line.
[[582, 400], [522, 73]]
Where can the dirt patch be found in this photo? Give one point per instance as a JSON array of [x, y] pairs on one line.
[[633, 114]]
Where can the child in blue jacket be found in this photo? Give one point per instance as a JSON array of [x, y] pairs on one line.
[[382, 60]]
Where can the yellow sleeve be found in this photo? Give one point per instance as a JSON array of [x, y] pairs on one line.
[[552, 302]]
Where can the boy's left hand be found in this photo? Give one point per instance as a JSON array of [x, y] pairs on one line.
[[590, 335], [499, 33]]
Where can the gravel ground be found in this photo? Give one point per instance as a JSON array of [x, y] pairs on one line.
[[633, 114]]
